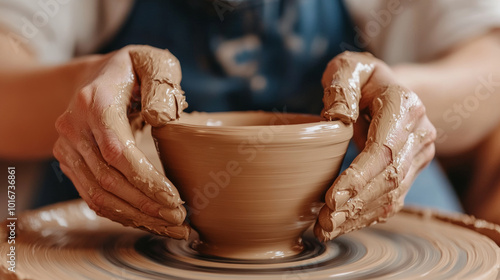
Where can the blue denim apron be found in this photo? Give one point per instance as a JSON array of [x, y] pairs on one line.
[[257, 55]]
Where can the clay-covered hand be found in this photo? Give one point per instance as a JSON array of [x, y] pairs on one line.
[[96, 147], [397, 137]]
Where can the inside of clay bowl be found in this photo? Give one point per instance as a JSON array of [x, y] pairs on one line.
[[253, 181]]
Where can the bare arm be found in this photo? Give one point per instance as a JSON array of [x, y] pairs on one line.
[[88, 100], [33, 96], [461, 92]]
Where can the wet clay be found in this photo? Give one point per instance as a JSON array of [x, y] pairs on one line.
[[160, 76], [253, 182], [68, 241]]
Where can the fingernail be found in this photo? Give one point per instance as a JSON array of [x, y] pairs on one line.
[[173, 216], [178, 232], [168, 199], [340, 198]]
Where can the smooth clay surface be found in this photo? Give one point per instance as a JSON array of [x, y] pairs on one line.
[[253, 182], [69, 241]]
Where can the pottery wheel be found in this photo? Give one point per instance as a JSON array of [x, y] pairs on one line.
[[68, 241]]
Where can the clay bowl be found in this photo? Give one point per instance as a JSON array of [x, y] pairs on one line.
[[253, 182]]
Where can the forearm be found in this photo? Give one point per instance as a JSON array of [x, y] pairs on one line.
[[33, 96], [482, 198], [461, 92]]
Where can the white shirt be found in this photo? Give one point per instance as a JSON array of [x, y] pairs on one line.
[[394, 30]]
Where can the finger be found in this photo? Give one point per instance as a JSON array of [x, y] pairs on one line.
[[395, 115], [107, 205], [366, 219], [118, 148], [389, 179], [342, 82], [114, 182], [151, 200], [119, 211], [419, 162], [329, 220], [379, 211], [335, 223], [375, 215], [160, 75], [71, 165], [392, 108], [386, 181], [360, 129], [64, 164], [370, 162], [112, 131], [81, 190]]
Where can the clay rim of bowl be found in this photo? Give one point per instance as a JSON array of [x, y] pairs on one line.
[[307, 126]]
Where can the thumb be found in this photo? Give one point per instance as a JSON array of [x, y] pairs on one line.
[[159, 75], [343, 79]]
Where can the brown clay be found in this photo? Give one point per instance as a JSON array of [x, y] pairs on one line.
[[253, 182]]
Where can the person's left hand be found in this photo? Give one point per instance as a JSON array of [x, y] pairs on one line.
[[397, 137], [97, 149]]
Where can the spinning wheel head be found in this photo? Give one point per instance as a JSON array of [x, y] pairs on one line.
[[68, 241]]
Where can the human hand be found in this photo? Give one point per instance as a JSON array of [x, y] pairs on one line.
[[96, 146], [397, 137]]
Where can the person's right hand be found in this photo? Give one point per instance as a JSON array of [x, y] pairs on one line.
[[96, 146]]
